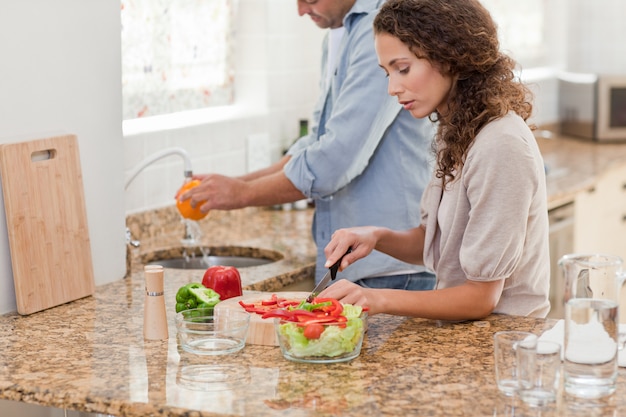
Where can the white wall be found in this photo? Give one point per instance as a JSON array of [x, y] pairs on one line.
[[582, 36], [277, 74], [596, 36], [60, 73]]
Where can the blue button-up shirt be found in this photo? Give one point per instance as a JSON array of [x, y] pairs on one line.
[[366, 160]]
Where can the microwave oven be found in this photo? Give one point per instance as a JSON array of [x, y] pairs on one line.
[[593, 106]]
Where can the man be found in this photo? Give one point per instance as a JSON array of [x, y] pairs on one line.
[[358, 162]]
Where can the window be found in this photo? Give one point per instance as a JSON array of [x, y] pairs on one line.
[[521, 29], [176, 55]]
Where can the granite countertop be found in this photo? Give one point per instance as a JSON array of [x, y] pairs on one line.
[[257, 232], [90, 355], [575, 165]]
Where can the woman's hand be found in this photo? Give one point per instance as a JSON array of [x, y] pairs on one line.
[[472, 300], [348, 292], [361, 240]]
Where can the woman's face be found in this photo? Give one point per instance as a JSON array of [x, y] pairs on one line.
[[419, 87]]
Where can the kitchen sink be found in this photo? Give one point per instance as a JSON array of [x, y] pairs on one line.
[[203, 257], [205, 262]]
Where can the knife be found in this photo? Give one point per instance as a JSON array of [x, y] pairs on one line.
[[330, 276]]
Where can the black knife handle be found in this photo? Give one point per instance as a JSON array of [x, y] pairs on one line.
[[335, 267]]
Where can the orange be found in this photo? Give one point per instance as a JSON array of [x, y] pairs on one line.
[[184, 207]]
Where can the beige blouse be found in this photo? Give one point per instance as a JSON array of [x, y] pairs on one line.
[[492, 221]]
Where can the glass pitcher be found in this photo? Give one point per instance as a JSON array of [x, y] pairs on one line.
[[591, 343], [594, 275]]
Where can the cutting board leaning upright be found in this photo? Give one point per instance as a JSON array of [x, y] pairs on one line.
[[47, 225]]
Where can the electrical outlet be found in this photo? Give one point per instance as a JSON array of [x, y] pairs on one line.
[[258, 151]]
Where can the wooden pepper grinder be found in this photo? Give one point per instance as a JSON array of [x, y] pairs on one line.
[[154, 317]]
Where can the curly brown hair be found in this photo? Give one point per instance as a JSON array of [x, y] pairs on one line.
[[459, 38]]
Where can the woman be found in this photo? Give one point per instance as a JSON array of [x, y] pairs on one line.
[[484, 228]]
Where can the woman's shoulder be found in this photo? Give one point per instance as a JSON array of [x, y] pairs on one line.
[[506, 141], [509, 131], [509, 125]]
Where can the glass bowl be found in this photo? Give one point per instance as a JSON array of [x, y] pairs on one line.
[[338, 342], [202, 332]]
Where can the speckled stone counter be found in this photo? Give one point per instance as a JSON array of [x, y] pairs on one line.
[[89, 355], [282, 236], [575, 165]]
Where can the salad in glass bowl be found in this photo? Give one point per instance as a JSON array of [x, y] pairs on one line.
[[323, 331]]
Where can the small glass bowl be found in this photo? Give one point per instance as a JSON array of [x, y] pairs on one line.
[[295, 347], [204, 333]]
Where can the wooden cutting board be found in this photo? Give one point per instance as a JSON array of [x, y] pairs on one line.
[[47, 223], [261, 331]]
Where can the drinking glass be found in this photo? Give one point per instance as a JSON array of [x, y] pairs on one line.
[[505, 358], [539, 366]]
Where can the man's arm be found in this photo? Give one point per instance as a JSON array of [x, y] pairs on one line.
[[272, 169]]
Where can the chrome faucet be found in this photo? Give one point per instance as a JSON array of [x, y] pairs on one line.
[[158, 155], [145, 163]]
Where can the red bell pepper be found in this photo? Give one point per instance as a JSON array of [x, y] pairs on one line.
[[321, 311], [245, 305], [279, 313], [335, 308], [303, 315], [272, 301], [224, 280]]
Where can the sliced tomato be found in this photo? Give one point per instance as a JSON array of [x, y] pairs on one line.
[[313, 331]]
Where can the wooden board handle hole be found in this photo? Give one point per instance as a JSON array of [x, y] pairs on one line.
[[43, 155]]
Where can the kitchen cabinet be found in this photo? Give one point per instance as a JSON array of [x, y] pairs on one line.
[[600, 215]]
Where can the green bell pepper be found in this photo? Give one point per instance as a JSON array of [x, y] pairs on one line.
[[195, 295]]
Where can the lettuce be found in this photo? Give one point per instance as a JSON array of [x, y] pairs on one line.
[[334, 341]]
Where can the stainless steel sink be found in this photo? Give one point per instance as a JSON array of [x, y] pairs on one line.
[[205, 262], [203, 257]]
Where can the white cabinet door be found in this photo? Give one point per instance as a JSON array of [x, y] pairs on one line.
[[601, 216]]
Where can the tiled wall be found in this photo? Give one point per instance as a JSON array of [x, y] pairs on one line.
[[597, 36]]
